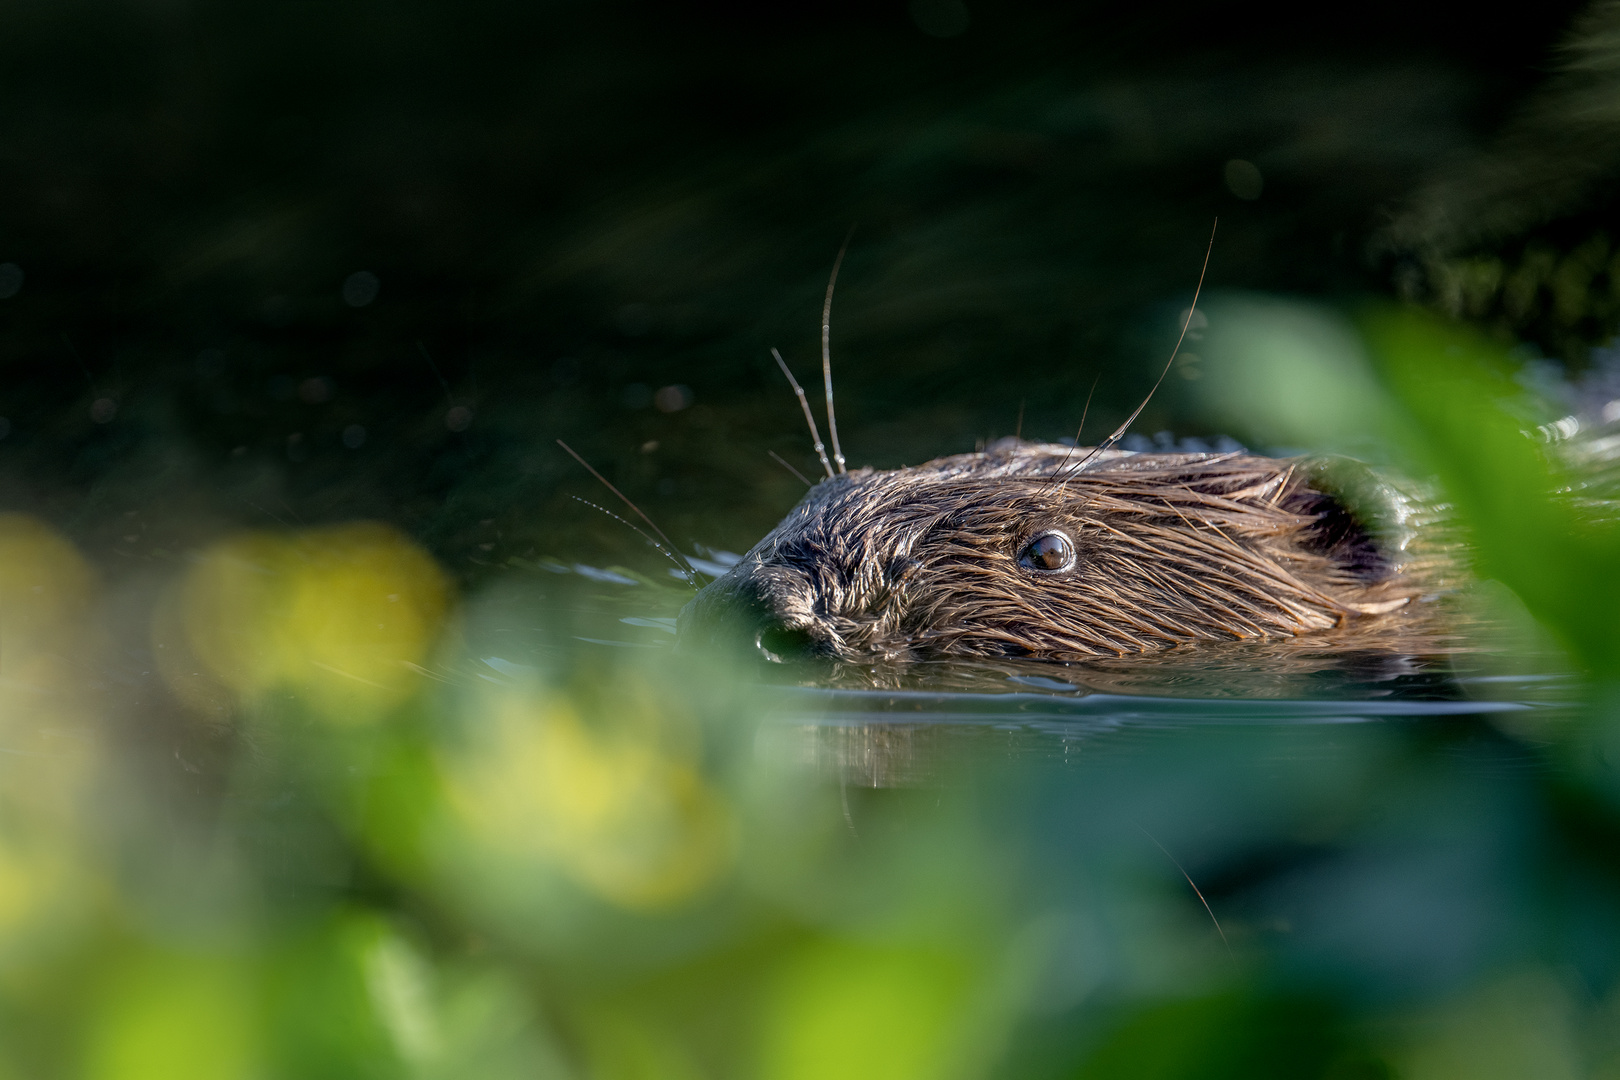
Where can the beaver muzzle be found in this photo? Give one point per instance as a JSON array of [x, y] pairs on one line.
[[745, 614]]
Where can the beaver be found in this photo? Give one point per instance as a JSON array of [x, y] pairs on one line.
[[1039, 550], [1047, 551]]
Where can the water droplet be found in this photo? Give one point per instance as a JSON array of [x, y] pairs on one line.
[[361, 288], [673, 398], [315, 390], [1243, 179], [11, 280]]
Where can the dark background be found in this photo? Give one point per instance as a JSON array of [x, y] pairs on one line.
[[567, 207]]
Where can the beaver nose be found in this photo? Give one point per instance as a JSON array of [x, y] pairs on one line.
[[783, 644], [737, 613]]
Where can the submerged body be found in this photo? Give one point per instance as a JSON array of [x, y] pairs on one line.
[[1016, 552]]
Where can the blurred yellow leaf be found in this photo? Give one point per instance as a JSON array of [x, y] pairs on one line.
[[611, 809], [45, 593], [341, 616]]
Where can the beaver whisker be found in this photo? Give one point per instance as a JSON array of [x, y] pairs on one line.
[[631, 525], [809, 417], [1084, 412], [691, 571], [782, 461], [1119, 432], [826, 348]]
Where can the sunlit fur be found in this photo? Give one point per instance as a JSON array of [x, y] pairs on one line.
[[1172, 548]]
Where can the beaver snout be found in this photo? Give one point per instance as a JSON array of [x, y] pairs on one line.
[[746, 614], [782, 644]]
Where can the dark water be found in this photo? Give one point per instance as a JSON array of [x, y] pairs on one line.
[[567, 210]]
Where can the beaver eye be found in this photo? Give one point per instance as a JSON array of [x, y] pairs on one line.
[[1050, 553]]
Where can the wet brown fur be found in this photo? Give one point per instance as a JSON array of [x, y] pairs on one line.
[[922, 562]]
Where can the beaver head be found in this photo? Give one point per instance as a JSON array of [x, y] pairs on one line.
[[1012, 552]]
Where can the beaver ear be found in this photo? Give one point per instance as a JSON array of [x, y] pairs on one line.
[[1363, 516]]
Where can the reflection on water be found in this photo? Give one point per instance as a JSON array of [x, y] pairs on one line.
[[901, 738], [915, 726]]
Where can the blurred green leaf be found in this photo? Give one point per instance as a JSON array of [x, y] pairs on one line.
[[177, 1016], [322, 1001], [1280, 372], [1510, 492], [1226, 1037], [1519, 1026], [399, 799], [853, 1011]]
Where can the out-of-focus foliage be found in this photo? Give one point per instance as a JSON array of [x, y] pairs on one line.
[[45, 607], [619, 807], [343, 616], [1438, 401], [1288, 374], [1526, 525]]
